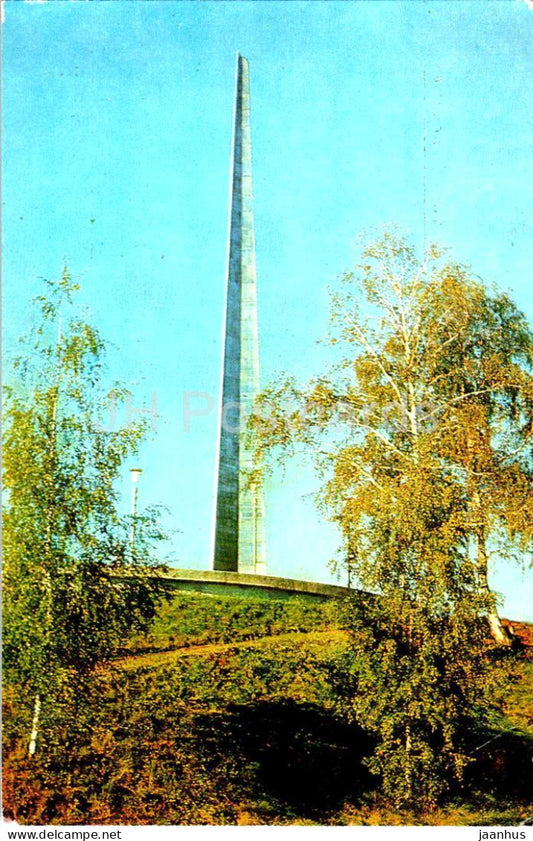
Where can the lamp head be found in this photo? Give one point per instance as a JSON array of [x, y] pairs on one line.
[[135, 473]]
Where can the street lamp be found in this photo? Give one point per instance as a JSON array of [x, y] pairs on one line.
[[135, 474]]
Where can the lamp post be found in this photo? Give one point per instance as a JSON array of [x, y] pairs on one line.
[[135, 474]]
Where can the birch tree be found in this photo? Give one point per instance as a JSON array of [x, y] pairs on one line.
[[65, 607], [434, 380], [421, 430]]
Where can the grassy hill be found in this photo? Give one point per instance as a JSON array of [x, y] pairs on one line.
[[194, 619], [224, 714]]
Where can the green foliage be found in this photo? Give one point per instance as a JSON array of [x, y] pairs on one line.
[[193, 619], [424, 682], [422, 433], [433, 378], [244, 736], [154, 746], [65, 543]]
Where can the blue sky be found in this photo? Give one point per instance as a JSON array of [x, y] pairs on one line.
[[117, 132]]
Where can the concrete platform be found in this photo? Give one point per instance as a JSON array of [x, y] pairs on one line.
[[239, 584]]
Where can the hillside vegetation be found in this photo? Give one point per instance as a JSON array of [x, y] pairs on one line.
[[192, 619], [232, 731]]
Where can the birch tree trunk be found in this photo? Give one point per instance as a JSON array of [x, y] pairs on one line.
[[498, 631]]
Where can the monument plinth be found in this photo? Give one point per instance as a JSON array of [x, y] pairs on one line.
[[239, 543]]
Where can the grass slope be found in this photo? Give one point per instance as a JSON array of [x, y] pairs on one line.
[[193, 619], [194, 729]]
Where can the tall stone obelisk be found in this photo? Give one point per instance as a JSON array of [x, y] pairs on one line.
[[239, 524]]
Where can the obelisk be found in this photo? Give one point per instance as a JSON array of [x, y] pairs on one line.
[[239, 542]]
